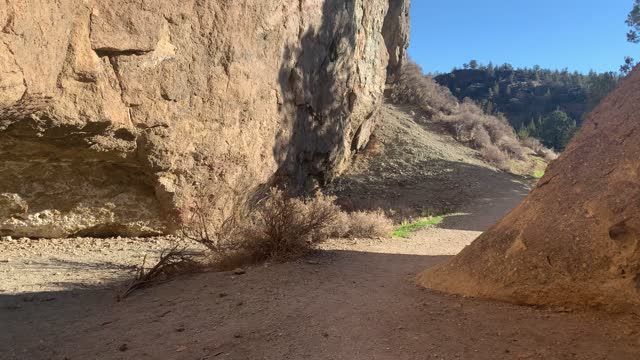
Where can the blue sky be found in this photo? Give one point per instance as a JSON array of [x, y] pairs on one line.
[[576, 34]]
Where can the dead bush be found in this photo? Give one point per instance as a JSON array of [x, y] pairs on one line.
[[481, 137], [494, 155], [369, 224], [277, 227], [341, 226], [548, 154], [534, 144], [413, 87], [513, 148], [214, 217], [283, 228]]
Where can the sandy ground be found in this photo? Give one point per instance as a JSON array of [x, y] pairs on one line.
[[351, 299], [347, 301]]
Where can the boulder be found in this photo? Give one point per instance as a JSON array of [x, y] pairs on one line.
[[113, 113]]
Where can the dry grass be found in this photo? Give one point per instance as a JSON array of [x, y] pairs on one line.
[[493, 136], [369, 224]]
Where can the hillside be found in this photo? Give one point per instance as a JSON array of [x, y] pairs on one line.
[[413, 166], [587, 254], [527, 97]]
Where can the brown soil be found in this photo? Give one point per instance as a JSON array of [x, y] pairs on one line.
[[353, 299]]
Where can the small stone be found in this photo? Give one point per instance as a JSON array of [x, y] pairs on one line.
[[237, 336], [325, 334], [239, 271], [6, 238], [123, 347], [223, 294], [180, 328], [181, 348]]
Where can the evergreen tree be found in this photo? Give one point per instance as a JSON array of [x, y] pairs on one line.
[[523, 132], [532, 128], [633, 20], [628, 65], [557, 130]]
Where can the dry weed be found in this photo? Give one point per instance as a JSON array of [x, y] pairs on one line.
[[369, 224]]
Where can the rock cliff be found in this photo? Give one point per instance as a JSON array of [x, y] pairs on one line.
[[113, 111], [575, 241]]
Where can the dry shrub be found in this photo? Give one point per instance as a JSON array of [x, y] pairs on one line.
[[493, 136], [494, 155], [534, 144], [278, 227], [369, 224], [214, 217], [540, 150], [481, 138], [341, 226], [413, 87], [548, 154], [513, 148], [283, 227]]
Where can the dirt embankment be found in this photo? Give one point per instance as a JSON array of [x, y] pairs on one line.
[[575, 241]]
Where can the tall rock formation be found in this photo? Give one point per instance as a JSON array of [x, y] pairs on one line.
[[113, 111], [575, 241]]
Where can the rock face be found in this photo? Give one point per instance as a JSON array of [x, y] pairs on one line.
[[575, 241], [113, 111], [396, 31]]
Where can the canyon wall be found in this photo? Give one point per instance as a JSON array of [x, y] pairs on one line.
[[116, 114], [575, 240]]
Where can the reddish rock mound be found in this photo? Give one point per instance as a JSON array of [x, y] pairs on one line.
[[574, 241]]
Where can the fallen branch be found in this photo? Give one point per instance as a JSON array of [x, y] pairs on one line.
[[170, 262]]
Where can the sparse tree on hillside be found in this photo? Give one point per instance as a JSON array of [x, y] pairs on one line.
[[599, 86], [473, 64], [628, 65], [633, 20], [557, 129]]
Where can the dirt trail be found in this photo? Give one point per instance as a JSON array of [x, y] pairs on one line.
[[343, 302], [350, 300]]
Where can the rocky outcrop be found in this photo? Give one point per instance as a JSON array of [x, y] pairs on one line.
[[113, 112], [575, 241], [396, 31]]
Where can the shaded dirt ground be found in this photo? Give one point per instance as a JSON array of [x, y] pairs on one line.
[[351, 299], [335, 304]]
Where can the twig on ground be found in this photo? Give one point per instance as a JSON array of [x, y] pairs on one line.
[[170, 261]]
